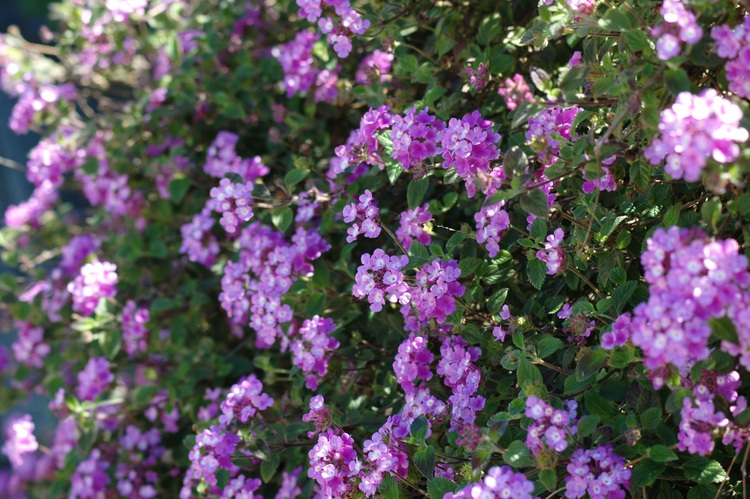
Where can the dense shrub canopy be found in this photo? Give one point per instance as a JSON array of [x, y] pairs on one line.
[[332, 248]]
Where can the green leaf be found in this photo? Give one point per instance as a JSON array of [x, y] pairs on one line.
[[409, 63], [622, 294], [597, 405], [640, 174], [590, 364], [389, 488], [394, 170], [546, 345], [515, 162], [537, 271], [587, 424], [743, 205], [538, 230], [178, 188], [268, 467], [636, 40], [294, 177], [419, 429], [711, 213], [548, 479], [438, 487], [524, 112], [444, 44], [622, 357], [676, 81], [623, 240], [517, 455], [424, 460], [645, 473], [528, 372], [416, 190], [535, 202], [650, 418], [724, 329], [661, 454], [110, 342], [614, 20], [282, 218], [454, 241], [467, 265], [703, 470], [497, 300], [490, 29], [672, 215]]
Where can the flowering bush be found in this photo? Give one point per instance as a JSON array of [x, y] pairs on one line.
[[352, 249]]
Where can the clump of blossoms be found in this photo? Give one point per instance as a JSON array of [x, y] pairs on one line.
[[416, 137], [221, 159], [134, 331], [233, 202], [312, 348], [413, 226], [212, 451], [90, 478], [680, 26], [334, 463], [695, 128], [551, 427], [348, 22], [19, 439], [364, 217], [734, 44], [599, 472], [691, 280], [412, 362], [94, 379], [380, 278], [469, 145], [198, 243], [515, 91], [434, 295], [552, 254], [363, 146], [459, 371], [30, 348], [297, 61], [479, 77], [544, 126], [492, 222], [96, 280], [244, 400], [374, 67], [498, 482]]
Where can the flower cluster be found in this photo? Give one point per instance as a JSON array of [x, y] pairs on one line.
[[551, 427], [413, 226], [695, 128], [599, 472], [416, 137], [679, 27], [134, 331], [374, 67], [221, 159], [30, 348], [515, 91], [364, 217], [498, 482], [41, 100], [90, 478], [363, 146], [552, 254], [546, 126], [296, 60], [312, 348], [734, 44], [334, 463], [94, 379], [459, 372], [348, 22], [434, 295], [244, 400], [479, 77], [213, 450], [198, 243], [233, 202], [385, 454], [19, 439], [492, 222], [96, 280], [469, 145], [134, 475], [380, 278], [412, 361]]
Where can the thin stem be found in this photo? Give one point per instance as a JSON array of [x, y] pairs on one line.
[[726, 477], [9, 163], [584, 279], [393, 236], [555, 492], [744, 472], [552, 366], [273, 430]]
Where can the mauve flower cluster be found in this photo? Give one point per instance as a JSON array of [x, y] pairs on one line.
[[212, 451], [334, 463], [296, 60], [134, 331], [198, 243], [140, 452], [90, 479], [551, 427], [51, 159], [552, 254], [94, 379], [695, 128], [606, 182], [385, 455], [326, 86], [469, 145], [498, 482], [289, 488], [433, 297], [221, 159], [380, 278], [412, 362], [19, 439], [492, 222], [599, 472], [244, 400], [364, 217], [515, 91], [680, 26], [478, 78], [374, 67], [233, 202], [416, 137], [41, 100], [312, 348], [459, 372], [363, 145], [692, 279], [544, 126], [96, 280], [734, 44], [413, 226], [30, 348], [348, 22]]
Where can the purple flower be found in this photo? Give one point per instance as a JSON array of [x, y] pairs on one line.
[[416, 137], [94, 379], [498, 482], [312, 348], [96, 280], [244, 400], [19, 439]]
